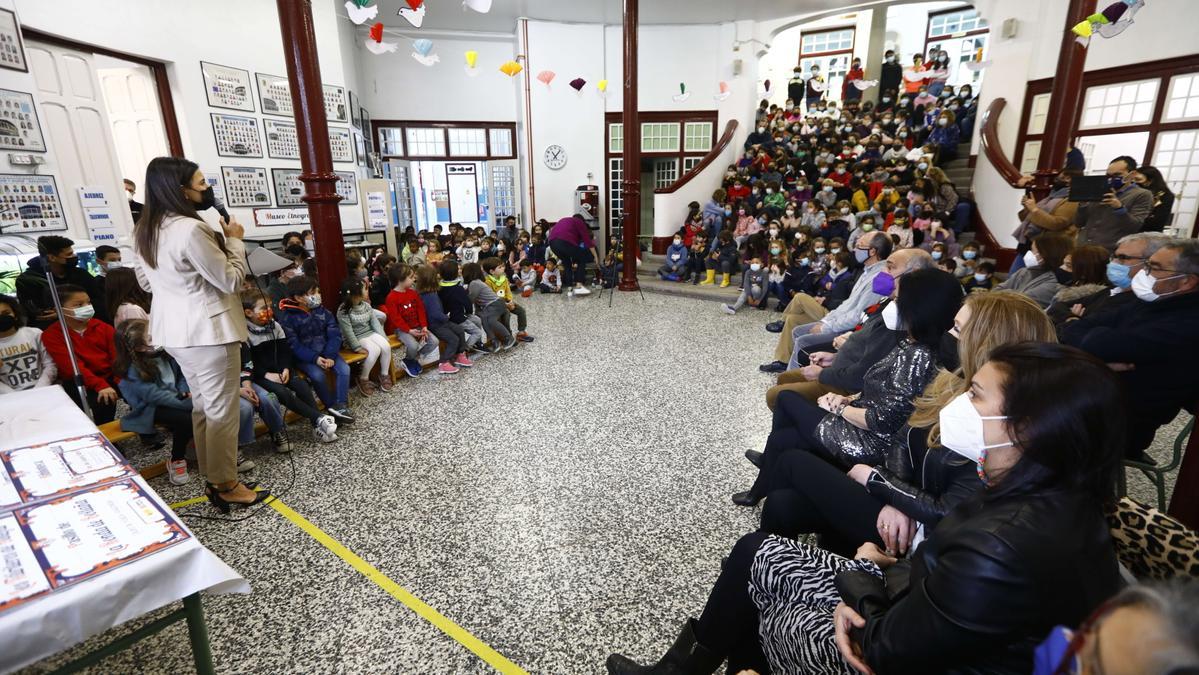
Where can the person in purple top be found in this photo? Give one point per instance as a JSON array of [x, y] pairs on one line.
[[570, 240]]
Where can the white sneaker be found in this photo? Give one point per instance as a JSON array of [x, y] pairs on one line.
[[177, 472], [243, 464], [728, 310], [570, 293], [325, 429], [582, 290]]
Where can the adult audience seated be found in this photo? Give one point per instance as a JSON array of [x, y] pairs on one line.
[[1087, 266], [1042, 275], [842, 371], [1122, 212], [33, 290], [1132, 252], [1029, 552], [1162, 212], [1151, 342]]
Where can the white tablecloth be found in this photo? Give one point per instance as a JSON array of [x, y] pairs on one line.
[[56, 621]]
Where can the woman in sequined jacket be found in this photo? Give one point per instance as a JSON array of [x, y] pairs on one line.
[[847, 430]]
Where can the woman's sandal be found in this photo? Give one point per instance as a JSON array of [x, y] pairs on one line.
[[223, 505]]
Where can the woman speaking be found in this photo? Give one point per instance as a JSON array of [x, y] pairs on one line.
[[195, 275]]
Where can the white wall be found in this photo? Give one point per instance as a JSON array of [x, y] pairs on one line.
[[228, 32], [907, 27], [778, 64]]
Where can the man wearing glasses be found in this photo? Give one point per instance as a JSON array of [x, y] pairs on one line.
[[1131, 254], [1151, 342]]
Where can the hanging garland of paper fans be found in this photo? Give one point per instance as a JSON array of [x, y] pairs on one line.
[[359, 13], [472, 59], [376, 45]]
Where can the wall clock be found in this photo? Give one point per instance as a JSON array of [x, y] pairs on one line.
[[555, 157]]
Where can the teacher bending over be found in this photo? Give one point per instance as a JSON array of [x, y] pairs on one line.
[[195, 275], [570, 240]]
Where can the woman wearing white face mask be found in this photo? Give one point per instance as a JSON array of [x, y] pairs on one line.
[[848, 430], [1039, 278]]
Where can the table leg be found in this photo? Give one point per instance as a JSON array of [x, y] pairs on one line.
[[197, 630]]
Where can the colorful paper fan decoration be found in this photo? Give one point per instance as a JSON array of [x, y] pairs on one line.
[[577, 84], [602, 88], [1109, 23], [480, 6], [375, 44], [683, 94], [546, 76], [414, 13], [360, 3], [422, 48], [817, 85], [863, 85], [359, 14], [764, 92], [376, 32], [723, 91], [511, 68], [472, 59]]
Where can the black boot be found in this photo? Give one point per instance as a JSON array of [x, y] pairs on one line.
[[686, 657]]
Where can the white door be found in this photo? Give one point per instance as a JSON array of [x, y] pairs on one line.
[[75, 119], [399, 172], [131, 99], [462, 183], [503, 191]]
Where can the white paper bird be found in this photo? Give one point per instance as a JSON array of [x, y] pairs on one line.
[[378, 48], [863, 85], [360, 15], [426, 60], [976, 66], [480, 6], [414, 16]]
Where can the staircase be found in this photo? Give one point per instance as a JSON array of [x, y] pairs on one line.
[[960, 171]]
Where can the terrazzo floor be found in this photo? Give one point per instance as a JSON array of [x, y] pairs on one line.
[[561, 501]]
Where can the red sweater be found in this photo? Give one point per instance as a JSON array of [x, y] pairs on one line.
[[735, 193], [95, 349], [404, 311]]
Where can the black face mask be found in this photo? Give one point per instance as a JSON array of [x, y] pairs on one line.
[[948, 353], [207, 200], [7, 322], [68, 263], [1063, 277]]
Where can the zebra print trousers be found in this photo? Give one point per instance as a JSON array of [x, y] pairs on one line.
[[791, 584]]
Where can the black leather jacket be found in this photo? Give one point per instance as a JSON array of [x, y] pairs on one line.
[[922, 482], [985, 588]]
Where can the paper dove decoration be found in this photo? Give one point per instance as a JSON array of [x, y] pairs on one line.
[[724, 92], [976, 66], [546, 76], [578, 83], [683, 94], [511, 68], [480, 6], [360, 15], [414, 15], [1109, 23], [423, 47], [375, 44], [472, 58], [863, 85]]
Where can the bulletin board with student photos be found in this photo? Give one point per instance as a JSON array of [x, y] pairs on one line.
[[236, 136], [274, 94], [12, 49], [335, 104], [227, 87], [289, 189], [30, 204], [347, 187], [246, 186], [281, 139], [342, 145], [19, 126]]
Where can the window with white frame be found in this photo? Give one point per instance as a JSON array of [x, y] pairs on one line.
[[666, 172], [826, 41], [501, 142], [1177, 157], [1032, 154], [1182, 101], [426, 141], [660, 137], [1038, 114], [690, 163], [467, 142], [615, 196], [615, 138], [503, 190], [949, 23], [1117, 104], [391, 141], [697, 136]]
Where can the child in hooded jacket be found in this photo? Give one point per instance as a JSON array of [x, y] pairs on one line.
[[456, 303], [453, 356], [753, 288], [498, 281]]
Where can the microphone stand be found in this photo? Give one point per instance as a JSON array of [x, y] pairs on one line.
[[66, 332]]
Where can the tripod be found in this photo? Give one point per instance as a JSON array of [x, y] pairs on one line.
[[66, 334], [612, 291]]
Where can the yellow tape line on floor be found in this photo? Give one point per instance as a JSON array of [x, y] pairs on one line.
[[445, 625]]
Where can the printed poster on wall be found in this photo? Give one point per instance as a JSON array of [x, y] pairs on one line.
[[275, 95], [288, 188], [30, 204], [19, 126], [246, 186], [97, 212], [227, 87], [335, 104], [236, 136], [376, 210], [12, 50], [341, 144], [281, 140], [347, 187]]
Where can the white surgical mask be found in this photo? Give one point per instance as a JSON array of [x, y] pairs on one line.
[[891, 316], [83, 313], [962, 431], [844, 209], [1143, 283], [980, 277], [755, 267], [1031, 259]]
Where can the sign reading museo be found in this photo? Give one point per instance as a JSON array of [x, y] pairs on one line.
[[280, 217]]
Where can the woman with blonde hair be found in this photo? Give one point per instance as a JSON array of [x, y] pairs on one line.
[[919, 481]]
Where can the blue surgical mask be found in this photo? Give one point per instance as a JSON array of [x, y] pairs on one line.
[[980, 277], [1049, 654], [969, 255], [861, 255], [1118, 274], [936, 255]]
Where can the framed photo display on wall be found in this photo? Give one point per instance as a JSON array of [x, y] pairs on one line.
[[19, 126], [30, 204], [236, 136], [227, 87], [335, 104], [12, 50], [367, 133], [341, 144], [355, 116], [289, 191], [281, 141], [246, 186], [274, 95], [347, 187]]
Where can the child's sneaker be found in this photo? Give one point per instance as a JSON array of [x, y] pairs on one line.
[[582, 290], [280, 442], [462, 361], [177, 472], [570, 293], [412, 367], [243, 464], [385, 383], [366, 387], [509, 344], [524, 337], [446, 368], [341, 415], [728, 310], [325, 430]]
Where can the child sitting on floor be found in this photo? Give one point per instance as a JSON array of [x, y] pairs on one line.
[[676, 261], [362, 333], [528, 279], [315, 342], [498, 282], [24, 361], [406, 319], [469, 251], [92, 341], [456, 303], [695, 259], [753, 288], [428, 284], [268, 358], [551, 279], [723, 259], [492, 309]]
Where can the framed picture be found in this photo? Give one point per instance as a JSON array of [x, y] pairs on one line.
[[347, 187], [335, 104], [289, 190], [246, 186], [355, 115], [367, 132], [19, 126], [360, 144], [227, 87], [281, 141], [274, 95], [236, 136], [12, 49], [30, 204], [341, 144]]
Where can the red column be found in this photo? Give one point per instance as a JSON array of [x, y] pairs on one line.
[[1064, 100], [312, 131], [631, 159]]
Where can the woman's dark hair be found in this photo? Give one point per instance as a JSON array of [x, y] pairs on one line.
[[1157, 183], [130, 335], [292, 235], [1089, 265], [165, 179], [1053, 248], [380, 264], [350, 288], [15, 306], [120, 286], [928, 299], [1067, 413]]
